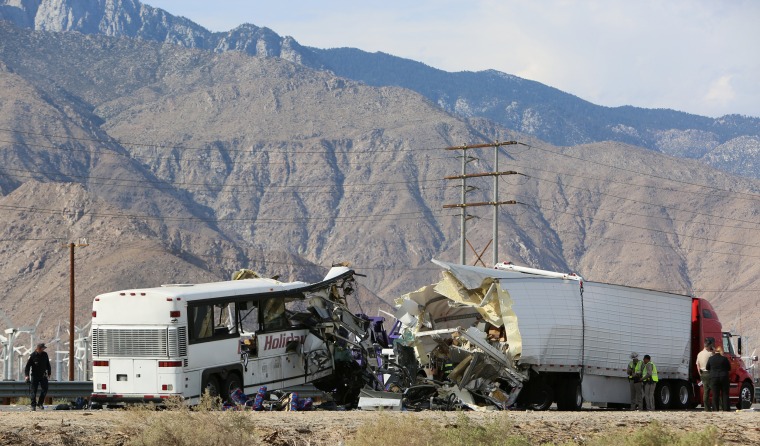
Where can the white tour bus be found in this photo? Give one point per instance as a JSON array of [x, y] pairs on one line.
[[178, 340]]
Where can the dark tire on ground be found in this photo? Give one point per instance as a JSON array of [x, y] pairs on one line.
[[745, 396], [211, 384], [542, 398], [682, 397], [232, 382], [663, 395], [569, 395]]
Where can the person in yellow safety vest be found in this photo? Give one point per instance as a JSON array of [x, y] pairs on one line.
[[634, 380], [649, 378]]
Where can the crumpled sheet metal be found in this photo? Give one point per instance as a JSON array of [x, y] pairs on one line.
[[492, 302], [453, 306]]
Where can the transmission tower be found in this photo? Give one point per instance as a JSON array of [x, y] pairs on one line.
[[463, 204]]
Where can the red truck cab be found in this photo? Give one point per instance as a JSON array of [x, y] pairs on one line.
[[705, 324]]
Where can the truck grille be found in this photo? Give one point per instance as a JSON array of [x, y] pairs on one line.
[[139, 343]]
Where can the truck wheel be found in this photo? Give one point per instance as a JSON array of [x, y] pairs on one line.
[[745, 397], [681, 391], [663, 396]]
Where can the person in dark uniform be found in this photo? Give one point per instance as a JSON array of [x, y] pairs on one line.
[[719, 367], [39, 366]]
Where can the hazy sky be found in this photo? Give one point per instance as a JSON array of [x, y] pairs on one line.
[[698, 56]]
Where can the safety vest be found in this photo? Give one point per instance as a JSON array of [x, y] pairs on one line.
[[636, 368], [654, 377]]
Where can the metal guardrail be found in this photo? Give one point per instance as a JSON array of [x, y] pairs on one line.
[[56, 389], [73, 389]]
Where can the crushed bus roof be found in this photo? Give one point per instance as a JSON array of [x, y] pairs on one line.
[[242, 289]]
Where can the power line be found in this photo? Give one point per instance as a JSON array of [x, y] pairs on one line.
[[646, 203], [221, 186], [358, 218], [606, 180], [306, 263], [594, 219], [585, 160], [670, 219], [635, 242], [188, 148], [133, 156], [211, 147]]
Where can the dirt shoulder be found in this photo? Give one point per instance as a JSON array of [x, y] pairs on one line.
[[116, 427]]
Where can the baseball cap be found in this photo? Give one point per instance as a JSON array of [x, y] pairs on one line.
[[41, 345]]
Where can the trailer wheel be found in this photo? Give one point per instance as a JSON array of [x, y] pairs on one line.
[[570, 395], [663, 395], [681, 391], [542, 398], [745, 397]]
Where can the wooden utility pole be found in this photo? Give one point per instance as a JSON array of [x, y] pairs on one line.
[[495, 203], [71, 306]]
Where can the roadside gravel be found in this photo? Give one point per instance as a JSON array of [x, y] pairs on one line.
[[111, 427]]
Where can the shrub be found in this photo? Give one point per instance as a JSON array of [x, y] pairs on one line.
[[656, 434], [413, 431], [180, 425]]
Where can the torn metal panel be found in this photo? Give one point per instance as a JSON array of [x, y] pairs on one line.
[[465, 333], [377, 400]]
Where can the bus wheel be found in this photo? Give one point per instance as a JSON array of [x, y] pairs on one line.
[[232, 382], [745, 397], [211, 386]]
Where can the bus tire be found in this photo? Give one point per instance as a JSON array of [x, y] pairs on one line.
[[232, 382], [211, 385]]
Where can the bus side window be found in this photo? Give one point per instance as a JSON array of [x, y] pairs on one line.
[[274, 317], [223, 318], [248, 316], [201, 322]]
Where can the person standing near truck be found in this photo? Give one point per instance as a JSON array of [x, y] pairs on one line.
[[634, 380], [649, 378], [704, 374], [719, 367], [39, 366]]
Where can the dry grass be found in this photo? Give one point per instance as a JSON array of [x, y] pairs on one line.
[[180, 425], [419, 432], [657, 434], [413, 431]]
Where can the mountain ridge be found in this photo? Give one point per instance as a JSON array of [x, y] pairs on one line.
[[528, 107], [221, 161]]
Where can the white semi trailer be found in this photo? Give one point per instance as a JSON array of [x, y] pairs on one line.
[[561, 339]]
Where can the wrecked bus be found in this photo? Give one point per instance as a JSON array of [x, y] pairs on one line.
[[180, 340], [512, 336]]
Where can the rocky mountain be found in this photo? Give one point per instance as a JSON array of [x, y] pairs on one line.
[[183, 164], [525, 106]]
